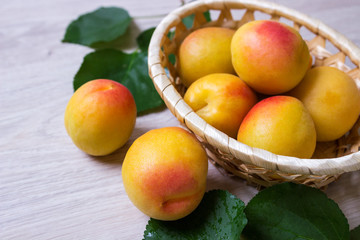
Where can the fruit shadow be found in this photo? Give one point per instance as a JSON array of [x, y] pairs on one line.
[[219, 179], [348, 198], [117, 157], [158, 109], [352, 189]]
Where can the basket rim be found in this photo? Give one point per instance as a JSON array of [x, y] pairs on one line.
[[218, 139]]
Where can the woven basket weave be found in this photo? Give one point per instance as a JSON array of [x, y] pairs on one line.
[[257, 166]]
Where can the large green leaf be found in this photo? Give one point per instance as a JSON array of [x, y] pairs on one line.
[[100, 26], [355, 233], [220, 215], [129, 69], [290, 211]]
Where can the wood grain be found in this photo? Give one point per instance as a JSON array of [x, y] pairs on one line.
[[51, 190]]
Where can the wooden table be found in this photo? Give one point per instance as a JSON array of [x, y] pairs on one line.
[[49, 189]]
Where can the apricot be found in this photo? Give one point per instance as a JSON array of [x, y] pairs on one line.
[[100, 116], [270, 56], [164, 173], [205, 51], [222, 100], [332, 99], [281, 125]]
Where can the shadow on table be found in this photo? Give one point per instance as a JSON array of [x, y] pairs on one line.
[[347, 186], [235, 185], [117, 157]]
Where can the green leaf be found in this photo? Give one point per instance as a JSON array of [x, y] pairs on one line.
[[355, 233], [207, 16], [189, 20], [100, 26], [129, 69], [220, 215], [144, 38], [290, 211]]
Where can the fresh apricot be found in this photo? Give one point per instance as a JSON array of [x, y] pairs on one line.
[[100, 116], [222, 100], [270, 56], [333, 100], [164, 173], [205, 51], [281, 125]]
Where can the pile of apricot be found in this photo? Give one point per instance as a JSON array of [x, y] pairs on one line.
[[257, 84]]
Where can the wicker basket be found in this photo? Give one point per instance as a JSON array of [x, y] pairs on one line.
[[257, 166]]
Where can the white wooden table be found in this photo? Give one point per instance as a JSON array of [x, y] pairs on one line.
[[51, 190]]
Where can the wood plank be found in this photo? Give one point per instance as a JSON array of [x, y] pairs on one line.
[[51, 190]]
